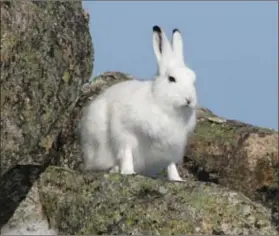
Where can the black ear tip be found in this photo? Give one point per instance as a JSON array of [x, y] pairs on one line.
[[157, 29], [175, 30]]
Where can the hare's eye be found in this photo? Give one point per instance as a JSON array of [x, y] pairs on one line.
[[172, 79]]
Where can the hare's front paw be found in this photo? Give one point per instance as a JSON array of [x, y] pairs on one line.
[[178, 179], [173, 174], [126, 162], [127, 172]]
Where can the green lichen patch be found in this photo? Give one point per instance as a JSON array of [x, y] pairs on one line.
[[210, 131]]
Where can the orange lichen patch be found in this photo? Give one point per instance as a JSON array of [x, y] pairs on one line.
[[47, 143], [86, 15], [264, 174], [206, 225], [275, 159], [260, 147], [4, 58], [202, 147]]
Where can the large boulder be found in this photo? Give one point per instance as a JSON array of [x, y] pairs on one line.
[[236, 155], [68, 202], [46, 57]]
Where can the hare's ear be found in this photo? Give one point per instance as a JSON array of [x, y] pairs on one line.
[[177, 45], [161, 45]]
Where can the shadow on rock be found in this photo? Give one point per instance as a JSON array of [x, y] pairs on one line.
[[270, 199], [14, 185]]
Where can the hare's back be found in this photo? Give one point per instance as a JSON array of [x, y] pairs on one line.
[[126, 90]]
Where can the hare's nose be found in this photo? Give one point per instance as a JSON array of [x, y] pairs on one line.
[[188, 101]]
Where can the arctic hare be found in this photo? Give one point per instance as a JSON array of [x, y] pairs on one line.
[[143, 126]]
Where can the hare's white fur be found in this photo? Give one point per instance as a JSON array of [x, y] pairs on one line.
[[143, 126]]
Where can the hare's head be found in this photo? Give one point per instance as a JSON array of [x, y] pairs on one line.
[[175, 82]]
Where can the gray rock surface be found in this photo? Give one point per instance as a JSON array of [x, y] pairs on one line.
[[46, 56], [75, 203]]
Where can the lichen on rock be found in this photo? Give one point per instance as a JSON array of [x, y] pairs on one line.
[[40, 43], [113, 204], [236, 155], [46, 57]]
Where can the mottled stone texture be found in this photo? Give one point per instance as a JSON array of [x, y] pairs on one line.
[[46, 56], [115, 204], [236, 155]]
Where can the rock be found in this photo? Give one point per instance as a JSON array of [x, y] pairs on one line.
[[29, 218], [236, 155], [46, 57], [77, 203]]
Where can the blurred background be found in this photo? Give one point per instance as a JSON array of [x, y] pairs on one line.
[[232, 47]]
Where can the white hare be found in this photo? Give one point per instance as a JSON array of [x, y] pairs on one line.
[[143, 126]]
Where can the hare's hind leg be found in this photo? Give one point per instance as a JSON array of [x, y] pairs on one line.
[[88, 156], [97, 154], [122, 143], [173, 173], [98, 158], [96, 148]]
